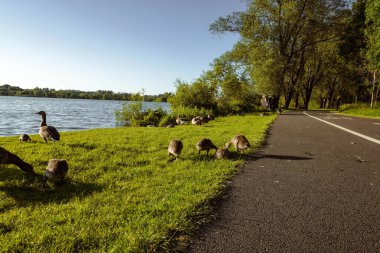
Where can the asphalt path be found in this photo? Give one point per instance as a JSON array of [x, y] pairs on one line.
[[312, 188]]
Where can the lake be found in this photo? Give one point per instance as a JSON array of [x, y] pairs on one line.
[[17, 114]]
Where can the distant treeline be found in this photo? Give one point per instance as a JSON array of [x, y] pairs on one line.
[[8, 90]]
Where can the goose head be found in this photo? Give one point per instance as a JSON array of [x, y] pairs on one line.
[[41, 113]]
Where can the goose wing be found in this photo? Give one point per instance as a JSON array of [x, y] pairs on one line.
[[53, 133]]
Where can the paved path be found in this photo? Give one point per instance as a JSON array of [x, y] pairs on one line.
[[312, 188]]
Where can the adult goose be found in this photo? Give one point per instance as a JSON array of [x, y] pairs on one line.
[[7, 157], [47, 132]]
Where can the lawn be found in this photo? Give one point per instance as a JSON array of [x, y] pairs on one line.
[[122, 192], [361, 110]]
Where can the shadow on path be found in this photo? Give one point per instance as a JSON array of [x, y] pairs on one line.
[[280, 157]]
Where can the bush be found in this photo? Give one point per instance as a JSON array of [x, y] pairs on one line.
[[345, 107], [187, 113], [132, 114], [167, 119]]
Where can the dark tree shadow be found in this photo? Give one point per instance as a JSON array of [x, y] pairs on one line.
[[31, 192]]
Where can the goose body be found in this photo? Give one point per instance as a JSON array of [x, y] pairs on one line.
[[240, 142], [7, 157], [179, 121], [196, 121], [56, 170], [205, 144], [47, 132], [24, 137], [222, 153], [175, 148]]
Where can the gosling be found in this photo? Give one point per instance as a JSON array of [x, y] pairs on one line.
[[24, 138], [175, 148], [205, 144], [7, 157], [56, 171], [222, 153], [240, 142]]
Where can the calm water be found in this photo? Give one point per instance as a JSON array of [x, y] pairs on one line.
[[17, 114]]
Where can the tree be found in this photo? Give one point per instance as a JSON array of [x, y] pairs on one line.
[[198, 94], [276, 32], [372, 54], [350, 50]]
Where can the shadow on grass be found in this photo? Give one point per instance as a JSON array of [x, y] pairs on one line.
[[29, 191]]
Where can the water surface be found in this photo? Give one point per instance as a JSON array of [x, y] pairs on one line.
[[17, 114]]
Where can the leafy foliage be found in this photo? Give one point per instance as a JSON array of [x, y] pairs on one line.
[[296, 47], [198, 94], [8, 90], [133, 114]]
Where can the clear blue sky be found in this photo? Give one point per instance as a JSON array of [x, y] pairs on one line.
[[119, 45]]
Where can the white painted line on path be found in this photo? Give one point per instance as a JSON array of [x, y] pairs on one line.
[[346, 118], [376, 123], [347, 130]]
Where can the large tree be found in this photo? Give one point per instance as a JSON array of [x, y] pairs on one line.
[[278, 32], [372, 54]]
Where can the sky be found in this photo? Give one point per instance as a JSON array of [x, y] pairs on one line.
[[118, 45]]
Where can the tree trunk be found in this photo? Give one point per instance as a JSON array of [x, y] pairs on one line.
[[296, 100], [330, 95], [307, 98], [288, 98], [377, 90], [373, 90]]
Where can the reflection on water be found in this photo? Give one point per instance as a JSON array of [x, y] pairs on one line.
[[17, 114]]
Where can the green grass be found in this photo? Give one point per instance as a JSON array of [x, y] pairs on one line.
[[122, 193], [361, 110]]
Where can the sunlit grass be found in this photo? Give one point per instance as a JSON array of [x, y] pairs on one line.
[[122, 192], [362, 110]]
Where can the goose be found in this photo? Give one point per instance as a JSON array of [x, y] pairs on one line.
[[205, 144], [179, 121], [240, 142], [210, 117], [56, 170], [175, 148], [196, 121], [47, 132], [7, 157], [24, 137], [222, 153]]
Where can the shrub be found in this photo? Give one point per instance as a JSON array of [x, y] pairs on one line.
[[187, 113], [132, 114], [353, 106], [167, 119]]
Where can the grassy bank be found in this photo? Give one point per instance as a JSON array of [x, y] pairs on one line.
[[361, 110], [122, 193]]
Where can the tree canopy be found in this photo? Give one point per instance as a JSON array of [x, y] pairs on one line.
[[320, 51]]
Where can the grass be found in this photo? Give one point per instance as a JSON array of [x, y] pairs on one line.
[[361, 110], [122, 192]]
